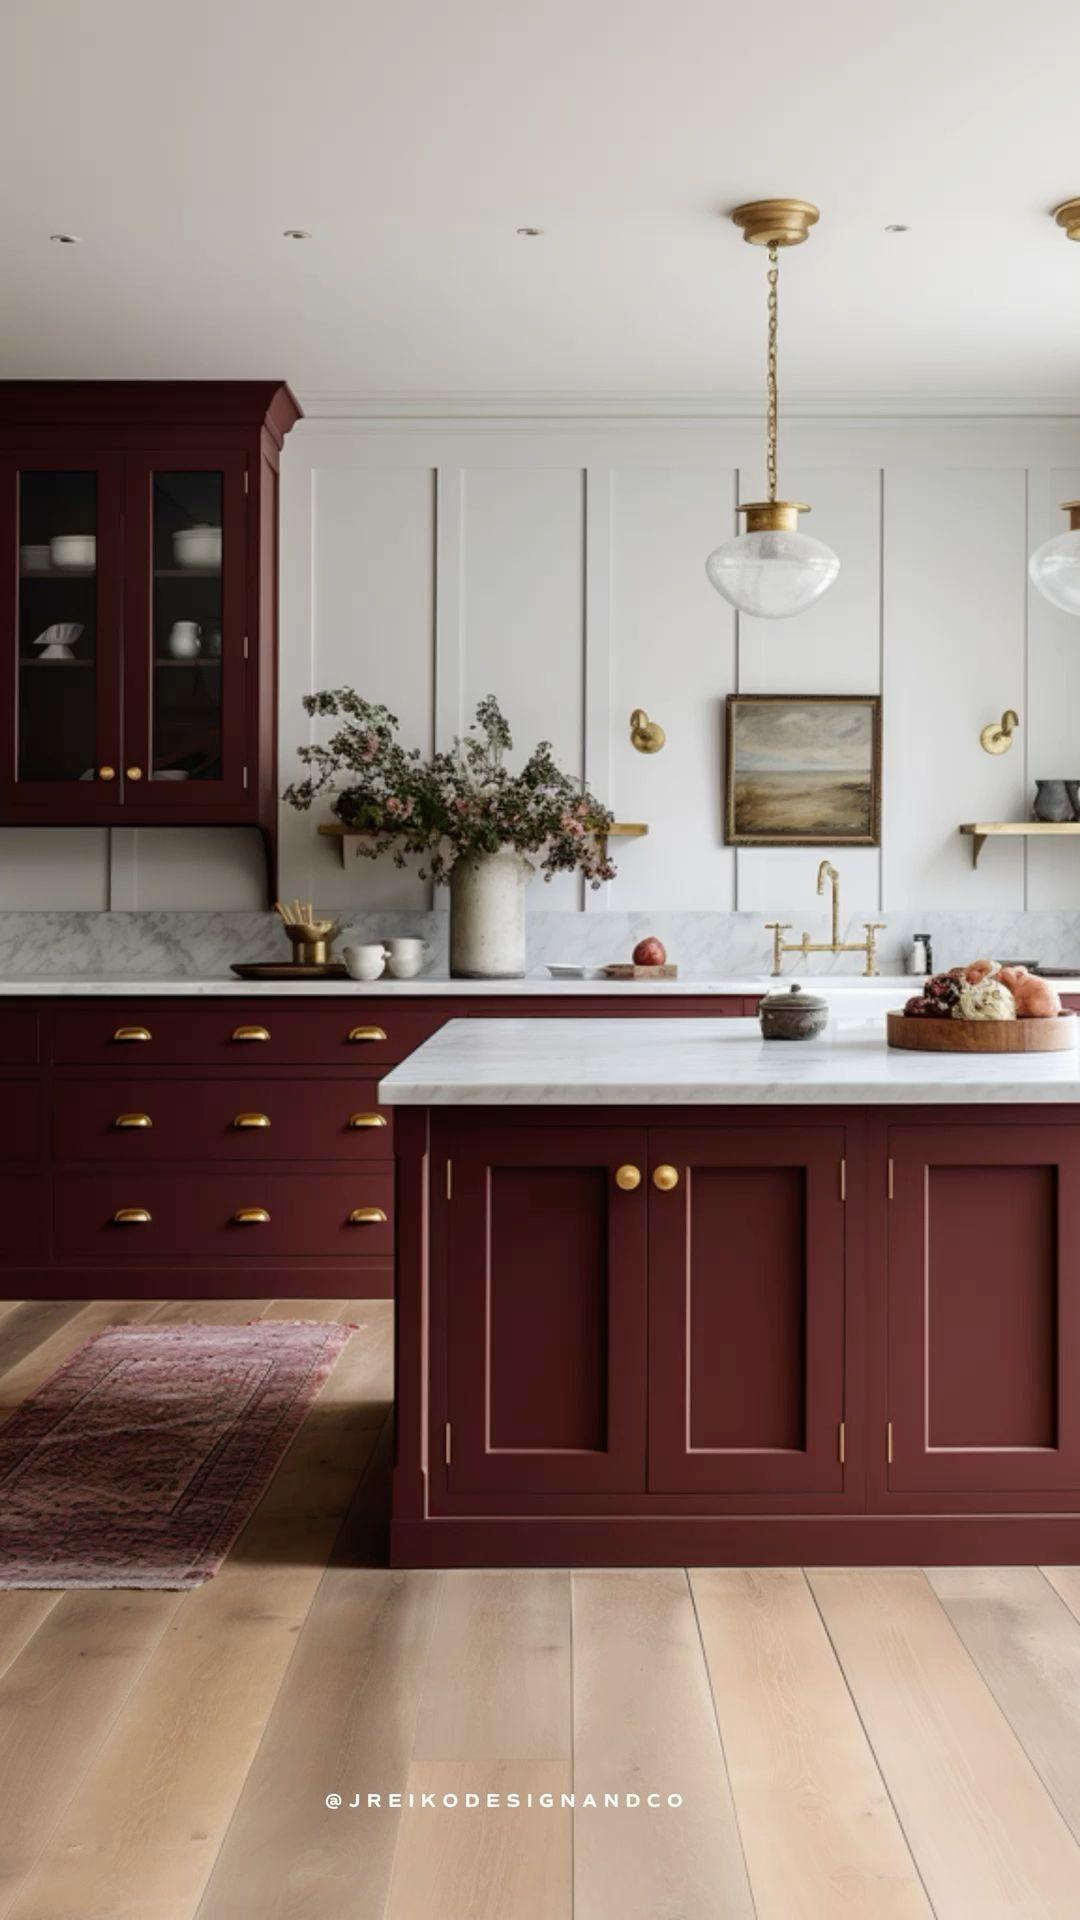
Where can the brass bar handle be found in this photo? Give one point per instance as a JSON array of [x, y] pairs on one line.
[[125, 1120], [367, 1119], [251, 1217], [251, 1033], [243, 1121], [666, 1178], [367, 1217], [628, 1178], [366, 1033], [131, 1217], [133, 1033]]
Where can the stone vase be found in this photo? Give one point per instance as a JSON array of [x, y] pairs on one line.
[[1052, 801], [487, 916]]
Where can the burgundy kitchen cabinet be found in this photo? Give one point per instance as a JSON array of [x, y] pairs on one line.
[[546, 1336], [984, 1310], [746, 1310], [138, 602]]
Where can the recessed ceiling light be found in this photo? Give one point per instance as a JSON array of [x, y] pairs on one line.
[[897, 226], [529, 233], [66, 239], [296, 233]]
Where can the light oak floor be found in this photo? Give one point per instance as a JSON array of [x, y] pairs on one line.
[[848, 1744]]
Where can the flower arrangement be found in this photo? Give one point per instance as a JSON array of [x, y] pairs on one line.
[[451, 806]]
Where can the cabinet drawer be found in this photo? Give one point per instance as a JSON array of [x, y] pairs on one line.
[[238, 1033], [19, 1035], [137, 1120], [21, 1106], [309, 1216]]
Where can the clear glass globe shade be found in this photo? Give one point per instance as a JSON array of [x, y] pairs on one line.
[[772, 574], [1055, 570]]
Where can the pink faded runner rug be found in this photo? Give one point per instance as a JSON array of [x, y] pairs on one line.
[[137, 1464]]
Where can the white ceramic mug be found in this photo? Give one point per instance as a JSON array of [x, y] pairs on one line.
[[407, 957], [185, 639], [365, 963]]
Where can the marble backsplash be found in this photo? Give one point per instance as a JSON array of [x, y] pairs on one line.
[[717, 945]]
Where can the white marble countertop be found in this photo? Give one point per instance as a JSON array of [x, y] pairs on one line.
[[694, 1062], [885, 990]]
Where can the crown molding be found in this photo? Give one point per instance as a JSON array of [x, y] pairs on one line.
[[348, 405]]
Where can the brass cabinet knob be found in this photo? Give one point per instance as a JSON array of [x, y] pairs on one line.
[[665, 1178], [628, 1178], [251, 1217], [245, 1120], [131, 1217], [367, 1119], [133, 773], [251, 1033], [106, 773], [366, 1033], [133, 1033], [367, 1217], [125, 1120]]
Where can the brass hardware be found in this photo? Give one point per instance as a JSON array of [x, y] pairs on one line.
[[998, 736], [448, 1448], [843, 1179], [646, 735], [125, 1120], [840, 1438], [666, 1178], [449, 1179], [366, 1033], [628, 1178], [1068, 216], [888, 1444], [1072, 507], [251, 1217], [805, 946], [106, 773], [133, 1033], [889, 1181], [367, 1217], [245, 1120], [367, 1119], [776, 223], [133, 773], [251, 1033], [773, 516], [131, 1217]]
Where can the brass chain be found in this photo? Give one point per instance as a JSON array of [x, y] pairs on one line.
[[772, 405]]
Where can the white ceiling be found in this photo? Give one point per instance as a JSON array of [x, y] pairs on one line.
[[413, 136]]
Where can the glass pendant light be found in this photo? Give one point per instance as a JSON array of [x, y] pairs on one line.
[[772, 569]]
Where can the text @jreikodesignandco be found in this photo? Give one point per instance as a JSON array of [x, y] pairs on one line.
[[504, 1801]]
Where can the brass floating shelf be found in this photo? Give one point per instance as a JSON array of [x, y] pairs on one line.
[[618, 830], [980, 831]]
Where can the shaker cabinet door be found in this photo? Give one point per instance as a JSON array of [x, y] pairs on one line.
[[746, 1311], [545, 1292], [984, 1309]]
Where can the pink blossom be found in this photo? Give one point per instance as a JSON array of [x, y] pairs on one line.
[[571, 825], [394, 806], [369, 748]]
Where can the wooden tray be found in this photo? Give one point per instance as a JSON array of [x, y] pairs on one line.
[[626, 970], [1055, 1034], [289, 970]]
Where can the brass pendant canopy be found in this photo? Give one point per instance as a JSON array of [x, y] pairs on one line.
[[773, 516], [776, 223], [1068, 216]]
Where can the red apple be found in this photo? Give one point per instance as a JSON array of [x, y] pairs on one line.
[[650, 952]]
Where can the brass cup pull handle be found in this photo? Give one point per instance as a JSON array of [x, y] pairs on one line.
[[366, 1033], [106, 773], [243, 1121], [367, 1217], [628, 1178], [133, 773], [133, 1033], [367, 1119], [251, 1217], [125, 1120], [666, 1178], [131, 1217], [251, 1033]]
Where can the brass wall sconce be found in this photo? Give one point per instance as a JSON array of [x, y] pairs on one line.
[[998, 736], [646, 735]]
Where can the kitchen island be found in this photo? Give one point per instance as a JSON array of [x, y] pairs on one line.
[[669, 1294]]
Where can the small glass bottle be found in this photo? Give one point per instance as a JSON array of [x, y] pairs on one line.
[[920, 958]]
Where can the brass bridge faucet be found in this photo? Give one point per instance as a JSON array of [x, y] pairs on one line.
[[806, 946]]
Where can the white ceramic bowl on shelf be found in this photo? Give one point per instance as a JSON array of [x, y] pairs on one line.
[[69, 550], [197, 547]]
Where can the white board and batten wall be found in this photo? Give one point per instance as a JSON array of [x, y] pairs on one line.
[[559, 563]]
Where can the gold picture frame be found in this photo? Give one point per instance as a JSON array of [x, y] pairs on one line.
[[802, 770]]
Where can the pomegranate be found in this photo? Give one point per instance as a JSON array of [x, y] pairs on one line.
[[650, 952]]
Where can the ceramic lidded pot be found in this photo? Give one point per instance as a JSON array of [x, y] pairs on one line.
[[794, 1015]]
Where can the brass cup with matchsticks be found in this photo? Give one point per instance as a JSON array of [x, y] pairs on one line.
[[312, 938]]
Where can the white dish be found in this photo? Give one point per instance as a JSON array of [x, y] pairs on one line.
[[56, 642], [564, 970], [73, 550], [197, 547]]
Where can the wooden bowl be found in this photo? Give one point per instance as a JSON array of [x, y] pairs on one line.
[[924, 1034]]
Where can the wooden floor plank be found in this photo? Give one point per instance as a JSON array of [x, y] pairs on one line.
[[1026, 1644], [209, 1313], [485, 1863], [31, 1372], [644, 1721], [21, 1614], [498, 1684], [821, 1838], [346, 1311], [30, 1325], [987, 1838], [142, 1831]]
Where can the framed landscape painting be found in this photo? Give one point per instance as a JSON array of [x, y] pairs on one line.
[[803, 770]]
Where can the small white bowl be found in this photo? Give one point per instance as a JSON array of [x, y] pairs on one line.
[[197, 547], [73, 550]]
